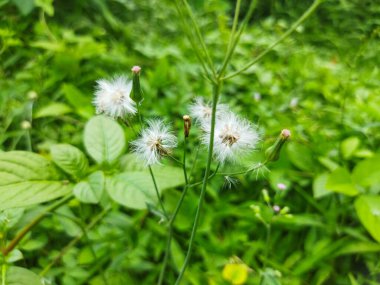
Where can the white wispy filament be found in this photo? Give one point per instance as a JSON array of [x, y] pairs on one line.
[[201, 112], [155, 142], [112, 97], [233, 137]]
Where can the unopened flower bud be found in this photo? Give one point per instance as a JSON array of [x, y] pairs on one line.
[[26, 125], [136, 94], [284, 211], [32, 95], [136, 69], [266, 196], [255, 208], [186, 125], [273, 152]]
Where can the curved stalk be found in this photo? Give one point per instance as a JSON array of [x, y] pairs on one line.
[[157, 192], [216, 91]]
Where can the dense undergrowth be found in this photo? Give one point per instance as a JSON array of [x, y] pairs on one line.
[[322, 83]]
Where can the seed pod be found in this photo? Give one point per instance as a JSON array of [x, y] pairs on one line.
[[273, 152], [137, 94], [186, 125]]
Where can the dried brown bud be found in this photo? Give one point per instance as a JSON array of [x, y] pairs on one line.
[[186, 125]]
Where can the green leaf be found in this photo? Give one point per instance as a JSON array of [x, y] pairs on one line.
[[301, 156], [24, 6], [349, 146], [367, 172], [78, 100], [358, 247], [26, 179], [340, 181], [90, 191], [319, 186], [104, 139], [136, 189], [368, 209], [70, 159], [52, 110], [21, 276]]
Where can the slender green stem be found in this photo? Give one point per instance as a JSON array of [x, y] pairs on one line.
[[192, 41], [3, 273], [172, 219], [267, 242], [234, 24], [200, 37], [14, 242], [216, 91], [235, 37], [306, 15], [158, 192], [184, 161], [209, 178], [95, 221]]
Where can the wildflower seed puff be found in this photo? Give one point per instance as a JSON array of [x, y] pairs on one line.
[[233, 137], [113, 97], [201, 112], [155, 142]]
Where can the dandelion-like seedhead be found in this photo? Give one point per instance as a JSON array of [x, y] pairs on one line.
[[233, 137], [112, 97], [201, 112], [155, 142]]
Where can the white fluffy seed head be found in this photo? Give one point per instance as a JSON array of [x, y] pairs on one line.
[[201, 112], [112, 97], [233, 137], [155, 142]]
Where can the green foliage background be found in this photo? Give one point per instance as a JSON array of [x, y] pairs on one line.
[[322, 83]]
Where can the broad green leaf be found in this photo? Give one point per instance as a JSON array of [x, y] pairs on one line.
[[367, 172], [328, 163], [90, 191], [70, 159], [14, 255], [104, 139], [26, 179], [21, 276], [319, 186], [52, 110], [28, 193], [368, 209], [340, 181], [349, 146], [25, 6], [301, 156], [78, 100], [17, 166], [136, 189]]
